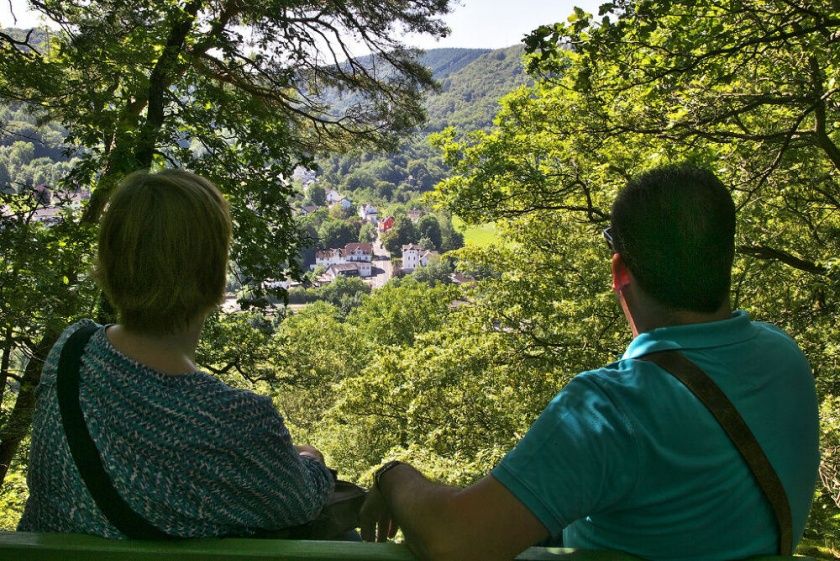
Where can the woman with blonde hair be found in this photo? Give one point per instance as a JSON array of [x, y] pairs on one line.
[[185, 453]]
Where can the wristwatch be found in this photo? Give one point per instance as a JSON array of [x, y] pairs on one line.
[[381, 471]]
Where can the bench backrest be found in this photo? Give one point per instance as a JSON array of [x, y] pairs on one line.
[[27, 546]]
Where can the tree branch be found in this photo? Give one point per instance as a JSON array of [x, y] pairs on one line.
[[769, 253]]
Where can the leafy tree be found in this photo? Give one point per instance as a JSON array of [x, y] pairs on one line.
[[367, 233], [39, 291], [359, 179], [345, 293], [238, 348], [137, 84], [337, 233], [426, 244], [317, 195], [429, 228], [646, 84], [340, 212], [386, 171], [383, 190], [451, 238], [436, 272], [394, 314], [315, 351], [420, 174], [402, 233], [309, 242]]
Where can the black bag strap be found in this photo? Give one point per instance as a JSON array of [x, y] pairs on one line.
[[83, 449], [705, 389]]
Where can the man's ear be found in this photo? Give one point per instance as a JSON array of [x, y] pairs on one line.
[[621, 275]]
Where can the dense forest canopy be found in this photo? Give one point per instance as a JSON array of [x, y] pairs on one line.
[[229, 90], [745, 88]]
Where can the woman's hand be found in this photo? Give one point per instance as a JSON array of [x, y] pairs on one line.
[[310, 451], [377, 524]]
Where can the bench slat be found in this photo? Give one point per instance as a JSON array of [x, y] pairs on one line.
[[27, 546]]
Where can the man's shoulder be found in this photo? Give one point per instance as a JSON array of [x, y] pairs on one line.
[[622, 373], [773, 334]]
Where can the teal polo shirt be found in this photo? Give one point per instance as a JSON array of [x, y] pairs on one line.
[[626, 458]]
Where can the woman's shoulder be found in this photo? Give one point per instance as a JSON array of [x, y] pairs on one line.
[[74, 327], [51, 364], [234, 404]]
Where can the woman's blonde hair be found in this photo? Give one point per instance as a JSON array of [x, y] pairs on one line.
[[163, 249]]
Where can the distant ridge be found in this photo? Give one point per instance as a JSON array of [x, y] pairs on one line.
[[443, 62], [471, 86], [472, 81]]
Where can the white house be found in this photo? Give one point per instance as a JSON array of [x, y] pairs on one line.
[[364, 268], [414, 256], [358, 252], [344, 270], [275, 284], [359, 255], [304, 176], [369, 213], [333, 196], [329, 257]]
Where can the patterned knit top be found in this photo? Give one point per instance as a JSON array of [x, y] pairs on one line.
[[188, 453]]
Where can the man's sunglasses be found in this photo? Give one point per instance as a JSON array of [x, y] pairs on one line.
[[608, 237]]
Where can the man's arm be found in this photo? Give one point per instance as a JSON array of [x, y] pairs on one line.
[[484, 521]]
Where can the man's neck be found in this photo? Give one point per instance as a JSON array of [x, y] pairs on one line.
[[649, 315]]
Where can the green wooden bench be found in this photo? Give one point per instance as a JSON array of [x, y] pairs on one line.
[[26, 546]]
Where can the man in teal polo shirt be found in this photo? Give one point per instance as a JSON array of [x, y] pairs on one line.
[[625, 457]]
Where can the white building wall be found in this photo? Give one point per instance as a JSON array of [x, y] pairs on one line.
[[410, 259]]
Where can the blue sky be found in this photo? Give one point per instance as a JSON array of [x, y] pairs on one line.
[[474, 23]]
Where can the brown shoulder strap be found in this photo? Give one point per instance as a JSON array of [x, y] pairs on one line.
[[704, 388]]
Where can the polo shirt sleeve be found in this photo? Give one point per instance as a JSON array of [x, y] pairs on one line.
[[579, 458]]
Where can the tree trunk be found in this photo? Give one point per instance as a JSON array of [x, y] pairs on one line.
[[5, 361], [17, 426]]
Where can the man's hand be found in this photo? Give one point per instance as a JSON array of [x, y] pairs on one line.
[[484, 522], [377, 524], [310, 451]]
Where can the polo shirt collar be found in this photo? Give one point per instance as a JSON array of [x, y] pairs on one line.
[[692, 336]]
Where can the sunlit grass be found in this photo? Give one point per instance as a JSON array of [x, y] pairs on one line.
[[482, 235]]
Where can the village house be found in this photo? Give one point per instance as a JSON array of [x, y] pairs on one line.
[[358, 252], [272, 284], [386, 224], [358, 255], [335, 198], [328, 257], [414, 256], [304, 176], [355, 269], [368, 213], [461, 278]]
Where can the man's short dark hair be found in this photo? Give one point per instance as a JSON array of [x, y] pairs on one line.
[[674, 227]]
